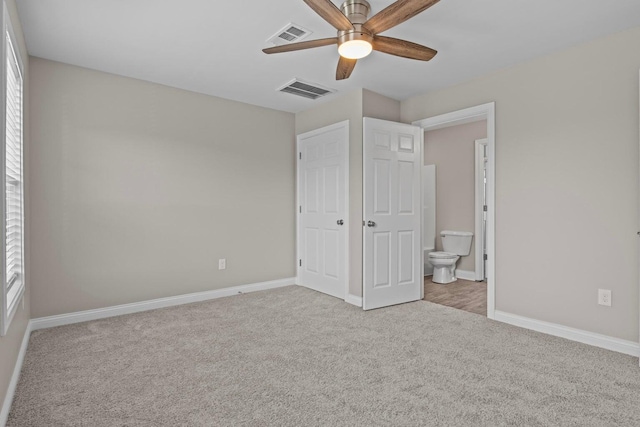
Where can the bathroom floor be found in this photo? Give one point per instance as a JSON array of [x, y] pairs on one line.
[[461, 294]]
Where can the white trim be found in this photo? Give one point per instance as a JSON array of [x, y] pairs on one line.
[[13, 383], [347, 229], [466, 275], [6, 315], [118, 310], [6, 312], [354, 300], [467, 115], [480, 149], [422, 222], [598, 340], [454, 118]]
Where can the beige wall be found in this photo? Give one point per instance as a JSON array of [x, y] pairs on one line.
[[379, 106], [453, 152], [566, 181], [138, 189], [352, 106], [10, 344]]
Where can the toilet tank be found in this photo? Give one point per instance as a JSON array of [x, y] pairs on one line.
[[457, 242]]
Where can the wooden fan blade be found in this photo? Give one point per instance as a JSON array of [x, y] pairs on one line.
[[301, 45], [330, 13], [397, 13], [403, 48], [345, 67]]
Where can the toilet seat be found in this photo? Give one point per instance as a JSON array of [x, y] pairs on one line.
[[442, 255]]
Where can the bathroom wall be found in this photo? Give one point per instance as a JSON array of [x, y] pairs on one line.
[[566, 181], [452, 150]]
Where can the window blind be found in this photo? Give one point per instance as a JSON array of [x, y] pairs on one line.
[[14, 216]]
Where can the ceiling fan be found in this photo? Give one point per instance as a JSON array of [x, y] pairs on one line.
[[358, 34]]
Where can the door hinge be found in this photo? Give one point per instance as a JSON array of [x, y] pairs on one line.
[[300, 263], [300, 209], [300, 156], [485, 257], [484, 208]]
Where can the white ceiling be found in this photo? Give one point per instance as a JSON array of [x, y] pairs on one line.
[[214, 47]]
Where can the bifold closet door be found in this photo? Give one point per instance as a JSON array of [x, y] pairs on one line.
[[392, 235], [323, 160]]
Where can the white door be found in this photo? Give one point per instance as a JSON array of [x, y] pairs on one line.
[[323, 160], [392, 213]]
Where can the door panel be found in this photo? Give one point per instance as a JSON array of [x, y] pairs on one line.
[[382, 186], [331, 251], [405, 257], [382, 256], [311, 250], [406, 185], [392, 213], [311, 194], [323, 198], [332, 192]]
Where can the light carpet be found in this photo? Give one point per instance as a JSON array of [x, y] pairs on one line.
[[294, 357]]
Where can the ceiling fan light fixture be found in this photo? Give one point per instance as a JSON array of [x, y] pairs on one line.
[[355, 49], [358, 34]]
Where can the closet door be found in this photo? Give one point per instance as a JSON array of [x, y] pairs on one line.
[[323, 209], [392, 165]]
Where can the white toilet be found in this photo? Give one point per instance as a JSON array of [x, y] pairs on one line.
[[455, 244]]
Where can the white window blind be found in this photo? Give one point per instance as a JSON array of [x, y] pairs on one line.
[[14, 212]]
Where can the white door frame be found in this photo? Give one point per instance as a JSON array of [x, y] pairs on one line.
[[340, 125], [479, 203], [469, 115]]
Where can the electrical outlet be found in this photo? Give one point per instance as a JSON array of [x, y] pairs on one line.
[[604, 297], [222, 264]]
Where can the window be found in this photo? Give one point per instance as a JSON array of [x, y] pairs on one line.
[[13, 213]]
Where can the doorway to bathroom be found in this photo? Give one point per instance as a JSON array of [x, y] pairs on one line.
[[459, 201]]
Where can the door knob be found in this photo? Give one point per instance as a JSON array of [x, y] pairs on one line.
[[340, 222], [371, 224]]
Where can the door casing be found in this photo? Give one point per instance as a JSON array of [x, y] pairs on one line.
[[468, 115], [480, 195]]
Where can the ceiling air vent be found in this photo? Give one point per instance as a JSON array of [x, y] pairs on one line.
[[305, 89], [290, 33]]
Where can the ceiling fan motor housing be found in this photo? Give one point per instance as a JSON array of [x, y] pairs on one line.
[[358, 12]]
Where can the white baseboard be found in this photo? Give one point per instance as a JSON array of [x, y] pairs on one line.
[[15, 376], [118, 310], [466, 275], [603, 341], [354, 300]]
